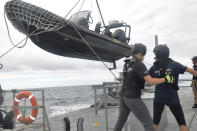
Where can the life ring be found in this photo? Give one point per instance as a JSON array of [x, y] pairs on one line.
[[20, 117]]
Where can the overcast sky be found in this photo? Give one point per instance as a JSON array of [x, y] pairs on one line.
[[174, 21]]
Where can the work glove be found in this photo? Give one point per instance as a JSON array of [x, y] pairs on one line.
[[169, 78]]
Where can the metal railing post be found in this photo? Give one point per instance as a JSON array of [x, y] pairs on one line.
[[45, 117], [95, 102], [43, 110], [14, 121], [80, 124], [105, 104]]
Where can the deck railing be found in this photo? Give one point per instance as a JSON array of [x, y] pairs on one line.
[[45, 120], [102, 99]]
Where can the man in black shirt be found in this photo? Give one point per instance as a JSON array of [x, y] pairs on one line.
[[194, 82]]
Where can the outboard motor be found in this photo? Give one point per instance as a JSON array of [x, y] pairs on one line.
[[119, 34]]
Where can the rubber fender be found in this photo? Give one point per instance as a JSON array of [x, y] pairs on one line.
[[67, 124], [80, 124]]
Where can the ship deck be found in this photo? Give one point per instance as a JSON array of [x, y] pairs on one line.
[[97, 122]]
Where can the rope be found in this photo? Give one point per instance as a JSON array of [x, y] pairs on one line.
[[91, 4], [93, 50], [12, 48], [88, 43], [100, 13], [26, 38], [72, 8], [14, 45], [82, 5], [10, 35], [31, 34]]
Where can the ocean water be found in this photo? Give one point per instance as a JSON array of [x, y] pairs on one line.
[[58, 100], [62, 100]]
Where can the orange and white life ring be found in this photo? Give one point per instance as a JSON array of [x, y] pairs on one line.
[[20, 117]]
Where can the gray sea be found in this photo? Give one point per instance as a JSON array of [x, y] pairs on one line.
[[62, 100], [58, 100]]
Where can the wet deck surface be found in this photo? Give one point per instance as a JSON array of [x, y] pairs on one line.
[[57, 123]]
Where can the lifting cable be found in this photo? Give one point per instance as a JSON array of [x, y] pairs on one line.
[[100, 13], [82, 5], [93, 50], [12, 48], [72, 8], [99, 58]]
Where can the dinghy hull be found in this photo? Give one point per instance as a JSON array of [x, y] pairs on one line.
[[57, 35]]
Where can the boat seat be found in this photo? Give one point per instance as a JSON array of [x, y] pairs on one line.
[[98, 27], [107, 32]]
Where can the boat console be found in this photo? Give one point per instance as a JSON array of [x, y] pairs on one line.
[[121, 30]]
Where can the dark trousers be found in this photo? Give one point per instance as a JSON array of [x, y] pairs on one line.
[[138, 108], [176, 110]]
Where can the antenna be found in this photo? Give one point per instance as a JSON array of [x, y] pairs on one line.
[[156, 40]]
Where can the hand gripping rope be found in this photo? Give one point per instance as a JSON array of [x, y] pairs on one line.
[[21, 117]]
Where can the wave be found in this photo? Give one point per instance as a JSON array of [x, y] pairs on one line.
[[60, 110]]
